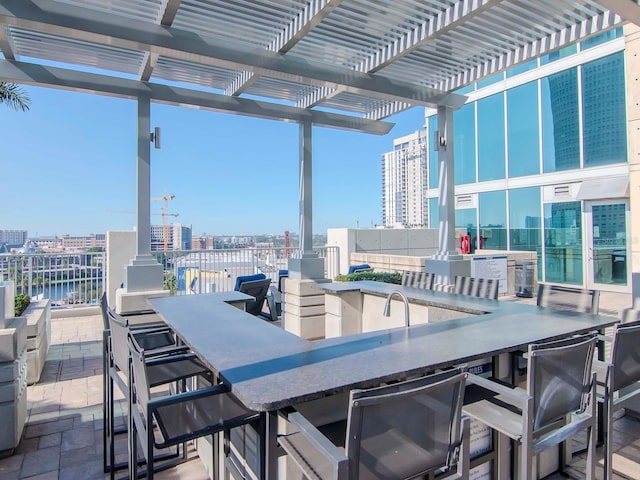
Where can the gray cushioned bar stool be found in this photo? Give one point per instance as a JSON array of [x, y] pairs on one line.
[[398, 431], [178, 417]]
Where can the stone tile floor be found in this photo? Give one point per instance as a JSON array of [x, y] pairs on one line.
[[63, 435]]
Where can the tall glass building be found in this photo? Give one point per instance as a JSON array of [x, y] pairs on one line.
[[404, 182], [541, 164]]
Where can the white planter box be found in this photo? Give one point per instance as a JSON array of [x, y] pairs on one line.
[[38, 315]]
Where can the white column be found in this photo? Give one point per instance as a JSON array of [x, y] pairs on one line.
[[308, 266], [306, 191], [447, 263], [144, 273], [446, 187], [143, 170]]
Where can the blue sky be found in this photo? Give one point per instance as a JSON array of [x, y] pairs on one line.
[[69, 167]]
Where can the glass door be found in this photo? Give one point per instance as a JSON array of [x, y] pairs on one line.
[[608, 256]]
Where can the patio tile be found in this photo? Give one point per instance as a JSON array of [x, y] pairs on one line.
[[11, 464], [53, 475], [49, 427], [79, 456], [50, 440], [85, 471], [77, 438], [41, 461]]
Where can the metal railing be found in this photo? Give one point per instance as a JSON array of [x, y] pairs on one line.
[[64, 278], [203, 271], [80, 278]]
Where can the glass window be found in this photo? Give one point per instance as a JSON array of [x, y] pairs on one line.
[[601, 38], [558, 54], [490, 80], [432, 124], [464, 144], [525, 225], [523, 131], [434, 214], [604, 111], [466, 218], [465, 90], [523, 67], [560, 127], [563, 242], [491, 138], [493, 220]]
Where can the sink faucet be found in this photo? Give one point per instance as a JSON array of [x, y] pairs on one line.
[[387, 306]]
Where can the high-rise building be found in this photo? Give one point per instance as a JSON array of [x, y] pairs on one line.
[[404, 182], [541, 163], [179, 237], [13, 238]]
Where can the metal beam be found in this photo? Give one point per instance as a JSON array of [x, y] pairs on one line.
[[534, 49], [32, 74], [5, 47], [627, 9], [308, 18], [169, 14], [239, 84], [430, 30], [90, 25], [316, 96], [149, 65], [434, 27]]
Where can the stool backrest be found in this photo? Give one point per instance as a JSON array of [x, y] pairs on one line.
[[405, 429], [559, 378], [418, 279], [625, 355]]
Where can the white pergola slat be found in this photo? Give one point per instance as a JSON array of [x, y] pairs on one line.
[[365, 58]]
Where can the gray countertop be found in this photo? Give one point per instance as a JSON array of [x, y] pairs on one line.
[[268, 368]]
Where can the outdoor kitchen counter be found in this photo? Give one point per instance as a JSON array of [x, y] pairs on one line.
[[268, 368]]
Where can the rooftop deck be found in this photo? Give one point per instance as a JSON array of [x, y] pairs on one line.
[[63, 435]]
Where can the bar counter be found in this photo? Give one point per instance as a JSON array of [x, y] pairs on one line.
[[268, 368]]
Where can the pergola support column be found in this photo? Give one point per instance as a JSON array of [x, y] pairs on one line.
[[308, 266], [143, 273], [447, 263], [303, 302]]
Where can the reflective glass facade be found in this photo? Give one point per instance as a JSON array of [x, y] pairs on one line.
[[523, 130], [464, 135], [492, 208], [491, 138], [572, 118], [604, 111]]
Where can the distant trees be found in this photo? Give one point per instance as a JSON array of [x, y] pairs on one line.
[[14, 96]]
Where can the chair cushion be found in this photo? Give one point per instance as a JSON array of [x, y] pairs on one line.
[[201, 416], [248, 278], [169, 372], [356, 268]]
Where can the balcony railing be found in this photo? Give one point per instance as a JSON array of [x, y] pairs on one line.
[[64, 278], [79, 278], [204, 271]]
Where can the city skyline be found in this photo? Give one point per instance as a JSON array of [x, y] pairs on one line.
[[85, 143]]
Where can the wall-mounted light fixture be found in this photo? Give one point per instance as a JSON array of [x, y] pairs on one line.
[[155, 137], [440, 141]]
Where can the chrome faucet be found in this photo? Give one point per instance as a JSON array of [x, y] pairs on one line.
[[387, 306]]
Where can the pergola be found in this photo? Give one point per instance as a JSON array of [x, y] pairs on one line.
[[345, 64]]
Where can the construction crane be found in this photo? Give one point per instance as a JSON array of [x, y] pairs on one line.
[[165, 224]]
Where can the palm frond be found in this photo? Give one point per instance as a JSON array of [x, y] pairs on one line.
[[14, 96]]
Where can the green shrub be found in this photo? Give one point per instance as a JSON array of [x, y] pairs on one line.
[[171, 284], [20, 303], [375, 276]]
